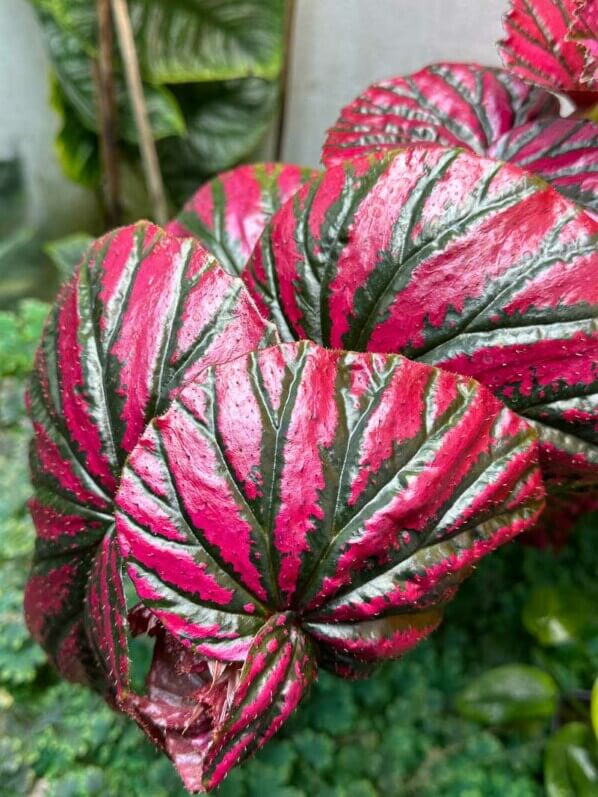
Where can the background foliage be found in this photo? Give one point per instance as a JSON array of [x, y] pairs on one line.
[[210, 70], [442, 721]]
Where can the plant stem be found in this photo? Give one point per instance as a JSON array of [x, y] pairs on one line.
[[108, 115], [149, 156]]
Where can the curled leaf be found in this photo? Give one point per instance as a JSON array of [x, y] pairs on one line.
[[538, 46]]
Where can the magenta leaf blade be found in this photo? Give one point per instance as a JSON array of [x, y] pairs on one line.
[[538, 46], [228, 214], [391, 519], [143, 313], [457, 261], [449, 104], [564, 152]]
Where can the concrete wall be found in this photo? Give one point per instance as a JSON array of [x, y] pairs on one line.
[[341, 46], [28, 125]]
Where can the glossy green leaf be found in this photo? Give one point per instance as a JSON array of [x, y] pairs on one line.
[[225, 123], [74, 72], [77, 148], [512, 693], [571, 763], [194, 40], [557, 615]]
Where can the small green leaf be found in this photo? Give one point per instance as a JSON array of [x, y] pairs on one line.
[[559, 615], [571, 763], [19, 335], [512, 693], [66, 253], [76, 147]]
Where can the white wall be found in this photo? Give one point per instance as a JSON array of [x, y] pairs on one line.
[[28, 125], [341, 46]]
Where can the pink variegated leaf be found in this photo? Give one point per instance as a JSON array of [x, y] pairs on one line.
[[456, 261], [564, 152], [488, 111], [228, 214], [450, 104], [541, 45], [279, 669], [105, 616], [208, 715], [348, 494], [584, 32], [142, 314]]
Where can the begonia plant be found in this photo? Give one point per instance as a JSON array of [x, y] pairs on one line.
[[276, 437]]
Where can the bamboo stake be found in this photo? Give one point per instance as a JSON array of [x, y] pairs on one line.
[[284, 75], [104, 75], [149, 156]]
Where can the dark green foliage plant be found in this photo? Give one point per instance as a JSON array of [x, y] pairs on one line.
[[210, 71]]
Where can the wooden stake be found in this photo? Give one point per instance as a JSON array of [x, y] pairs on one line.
[[284, 75], [149, 156], [104, 77]]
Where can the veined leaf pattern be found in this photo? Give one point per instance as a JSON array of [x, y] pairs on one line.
[[540, 44], [353, 490], [488, 111], [456, 261], [141, 316], [450, 104], [228, 214]]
